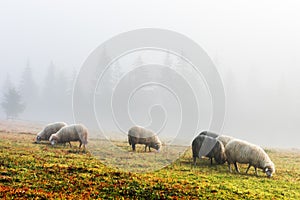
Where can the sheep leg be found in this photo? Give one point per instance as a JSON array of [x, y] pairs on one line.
[[70, 144], [229, 167], [236, 167], [133, 147], [194, 160], [80, 144], [256, 171], [248, 168], [149, 148], [211, 162], [145, 148]]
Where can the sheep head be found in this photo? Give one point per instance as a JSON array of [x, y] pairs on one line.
[[269, 170], [53, 139], [38, 139]]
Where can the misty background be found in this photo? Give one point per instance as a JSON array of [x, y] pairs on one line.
[[254, 45]]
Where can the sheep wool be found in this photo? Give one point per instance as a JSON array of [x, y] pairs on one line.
[[225, 139], [49, 130]]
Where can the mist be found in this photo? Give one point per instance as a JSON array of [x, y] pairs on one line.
[[254, 46]]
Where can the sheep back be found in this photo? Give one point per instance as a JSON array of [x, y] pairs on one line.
[[140, 135], [224, 139], [208, 133], [48, 130]]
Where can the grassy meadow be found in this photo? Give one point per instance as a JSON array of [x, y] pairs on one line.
[[39, 171]]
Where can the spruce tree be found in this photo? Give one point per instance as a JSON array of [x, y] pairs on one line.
[[12, 103]]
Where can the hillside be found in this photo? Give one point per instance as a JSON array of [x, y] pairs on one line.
[[29, 170]]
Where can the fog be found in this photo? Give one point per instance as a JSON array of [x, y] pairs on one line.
[[253, 44]]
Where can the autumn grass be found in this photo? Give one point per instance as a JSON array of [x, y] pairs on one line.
[[39, 171]]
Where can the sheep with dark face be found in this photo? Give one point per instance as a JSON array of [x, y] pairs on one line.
[[210, 134], [140, 135], [209, 147], [75, 132], [49, 130], [239, 151]]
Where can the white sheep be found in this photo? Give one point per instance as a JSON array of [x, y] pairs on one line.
[[225, 139], [244, 152], [48, 130], [74, 132], [140, 135]]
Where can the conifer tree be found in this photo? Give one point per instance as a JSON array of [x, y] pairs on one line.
[[12, 103]]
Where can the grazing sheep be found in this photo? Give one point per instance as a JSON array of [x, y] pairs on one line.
[[210, 134], [225, 139], [75, 132], [210, 147], [49, 130], [139, 135], [244, 152]]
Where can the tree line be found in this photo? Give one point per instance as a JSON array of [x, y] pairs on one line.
[[48, 101]]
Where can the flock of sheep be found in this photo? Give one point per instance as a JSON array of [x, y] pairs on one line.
[[221, 148], [60, 132], [226, 148]]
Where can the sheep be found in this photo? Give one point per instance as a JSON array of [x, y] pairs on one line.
[[244, 152], [225, 139], [49, 130], [74, 132], [140, 135], [210, 147], [208, 133]]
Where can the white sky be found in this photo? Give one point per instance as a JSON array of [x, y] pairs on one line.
[[237, 34]]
